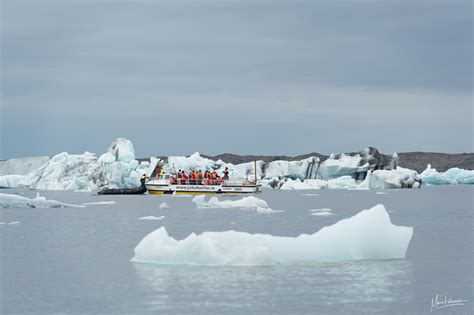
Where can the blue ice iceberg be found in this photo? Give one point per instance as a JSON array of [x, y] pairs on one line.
[[453, 176]]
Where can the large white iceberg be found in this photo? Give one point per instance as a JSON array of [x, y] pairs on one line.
[[453, 176], [367, 235], [14, 201]]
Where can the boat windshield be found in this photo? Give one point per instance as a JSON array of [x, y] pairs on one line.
[[166, 176]]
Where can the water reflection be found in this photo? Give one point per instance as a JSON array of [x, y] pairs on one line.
[[332, 287]]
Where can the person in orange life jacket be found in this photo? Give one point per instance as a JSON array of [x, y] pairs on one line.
[[172, 180], [213, 177], [185, 177]]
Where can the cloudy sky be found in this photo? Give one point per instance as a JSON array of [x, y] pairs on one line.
[[245, 77]]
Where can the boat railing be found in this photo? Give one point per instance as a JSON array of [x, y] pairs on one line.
[[204, 181]]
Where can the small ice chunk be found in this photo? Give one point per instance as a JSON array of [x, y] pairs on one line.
[[164, 205], [381, 193], [14, 223], [152, 218], [267, 210], [321, 212], [250, 202]]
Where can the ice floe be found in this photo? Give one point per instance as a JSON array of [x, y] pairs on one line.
[[250, 203], [152, 218], [367, 235], [321, 212], [14, 201], [453, 176]]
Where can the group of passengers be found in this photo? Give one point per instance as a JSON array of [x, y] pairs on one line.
[[197, 177]]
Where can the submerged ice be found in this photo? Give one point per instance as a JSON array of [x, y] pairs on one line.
[[367, 235]]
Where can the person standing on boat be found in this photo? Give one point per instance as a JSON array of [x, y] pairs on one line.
[[200, 177], [178, 176], [226, 174], [158, 171]]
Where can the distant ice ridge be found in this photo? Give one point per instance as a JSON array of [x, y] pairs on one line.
[[453, 176], [396, 178], [14, 201], [354, 165], [117, 168], [367, 235], [337, 172]]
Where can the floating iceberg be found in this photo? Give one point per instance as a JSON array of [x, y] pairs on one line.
[[321, 212], [396, 178], [367, 235], [14, 201], [453, 176], [117, 168], [250, 203]]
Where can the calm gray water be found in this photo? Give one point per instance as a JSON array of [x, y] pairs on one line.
[[77, 260]]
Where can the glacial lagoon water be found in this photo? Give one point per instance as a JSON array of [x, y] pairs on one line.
[[77, 260]]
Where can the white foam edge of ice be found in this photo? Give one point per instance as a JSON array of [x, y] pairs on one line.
[[365, 236]]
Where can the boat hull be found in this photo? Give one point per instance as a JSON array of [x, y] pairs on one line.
[[202, 189]]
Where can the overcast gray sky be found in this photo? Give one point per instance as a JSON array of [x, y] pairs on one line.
[[236, 76]]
